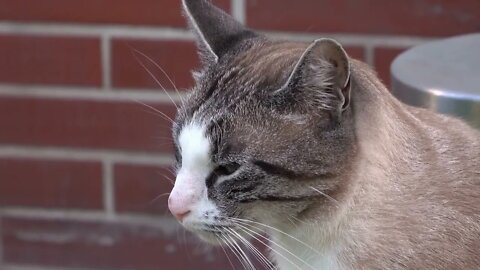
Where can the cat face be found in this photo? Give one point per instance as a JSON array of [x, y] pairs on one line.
[[265, 133]]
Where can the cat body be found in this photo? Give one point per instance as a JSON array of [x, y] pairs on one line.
[[413, 200], [305, 144]]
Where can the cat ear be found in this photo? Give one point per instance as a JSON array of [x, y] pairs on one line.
[[323, 75], [216, 31]]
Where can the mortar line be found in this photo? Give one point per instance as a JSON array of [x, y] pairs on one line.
[[160, 221], [108, 189], [369, 52], [28, 267], [89, 30], [239, 10], [354, 39], [1, 242], [66, 92], [165, 33], [106, 62], [73, 154]]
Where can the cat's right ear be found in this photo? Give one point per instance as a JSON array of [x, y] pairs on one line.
[[216, 31], [321, 76]]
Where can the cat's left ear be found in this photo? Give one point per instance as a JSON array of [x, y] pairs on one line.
[[322, 75], [216, 31]]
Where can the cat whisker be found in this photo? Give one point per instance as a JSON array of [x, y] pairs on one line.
[[240, 257], [292, 221], [158, 197], [234, 248], [263, 259], [272, 249], [237, 236], [275, 251], [221, 242], [260, 257], [177, 232], [168, 178], [326, 196], [153, 112], [155, 79], [162, 70], [249, 222], [253, 233], [245, 256], [185, 243], [298, 220], [158, 112], [172, 170]]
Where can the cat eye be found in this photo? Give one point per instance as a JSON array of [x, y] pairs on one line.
[[227, 169]]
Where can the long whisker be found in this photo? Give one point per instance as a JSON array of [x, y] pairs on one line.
[[168, 178], [185, 243], [152, 112], [260, 257], [162, 70], [276, 244], [298, 220], [220, 243], [234, 249], [244, 255], [246, 221], [326, 196], [160, 113], [158, 197], [154, 78], [272, 249]]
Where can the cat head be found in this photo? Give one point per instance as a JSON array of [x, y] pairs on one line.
[[267, 131]]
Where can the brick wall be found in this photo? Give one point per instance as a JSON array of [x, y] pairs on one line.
[[82, 162]]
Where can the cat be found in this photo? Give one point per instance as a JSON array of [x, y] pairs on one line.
[[303, 143]]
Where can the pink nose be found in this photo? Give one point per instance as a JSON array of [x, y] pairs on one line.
[[179, 206]]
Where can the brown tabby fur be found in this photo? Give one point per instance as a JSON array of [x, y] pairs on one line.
[[402, 184]]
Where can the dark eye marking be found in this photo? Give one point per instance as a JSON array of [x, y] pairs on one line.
[[276, 170], [222, 170], [273, 198], [227, 169]]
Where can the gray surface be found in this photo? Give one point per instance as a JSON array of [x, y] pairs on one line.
[[443, 76]]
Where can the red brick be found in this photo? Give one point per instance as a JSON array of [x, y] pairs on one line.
[[176, 58], [99, 245], [383, 60], [50, 60], [142, 188], [84, 124], [409, 17], [148, 12], [45, 183]]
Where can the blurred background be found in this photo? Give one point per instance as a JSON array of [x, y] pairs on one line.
[[85, 166]]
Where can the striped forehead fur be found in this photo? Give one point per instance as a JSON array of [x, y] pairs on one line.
[[270, 61], [262, 69]]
